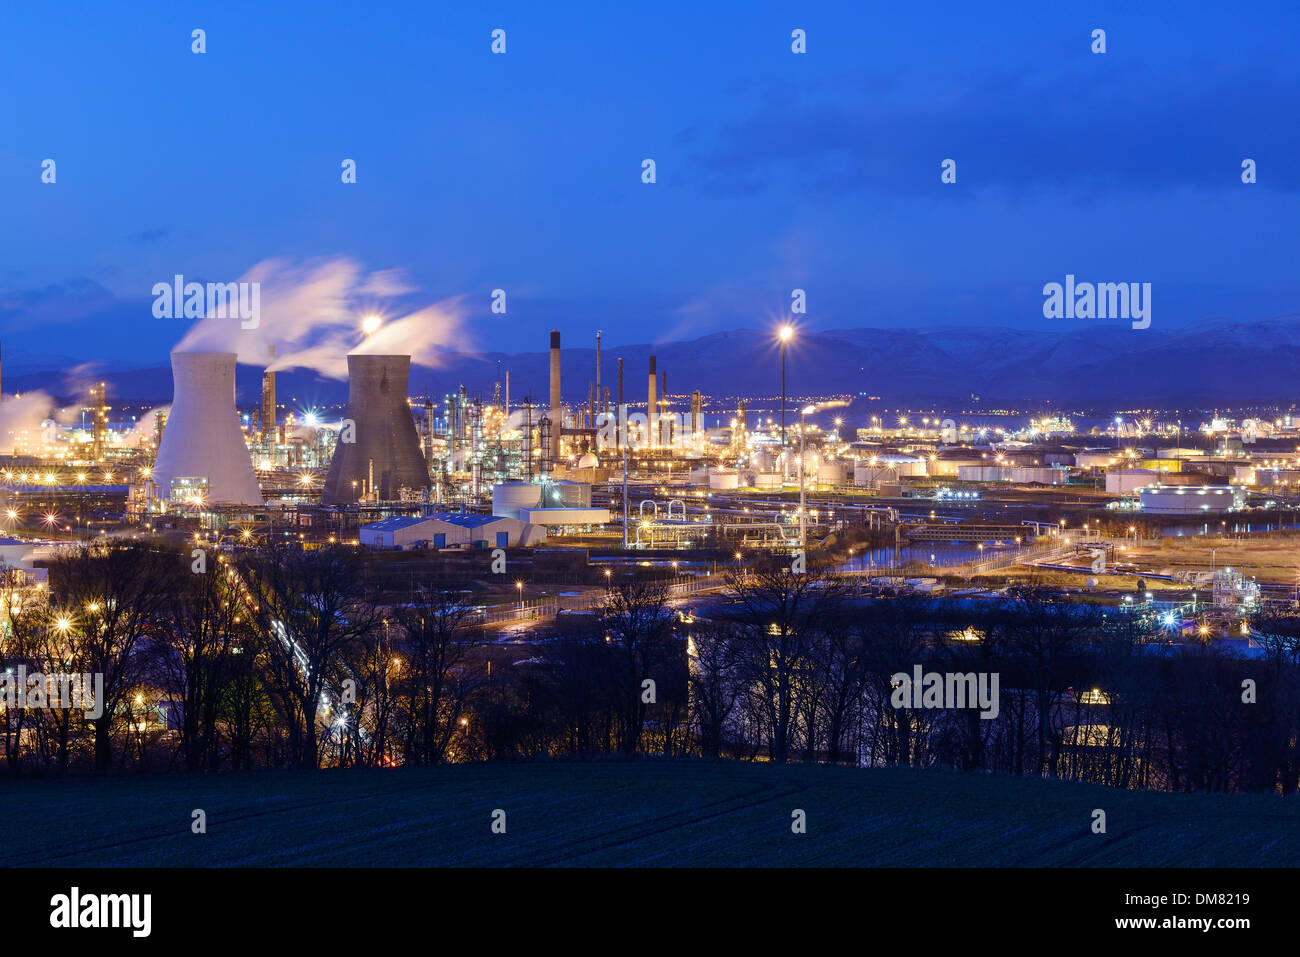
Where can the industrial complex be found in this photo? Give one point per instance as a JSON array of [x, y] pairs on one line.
[[631, 467]]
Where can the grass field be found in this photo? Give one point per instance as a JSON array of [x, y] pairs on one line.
[[644, 813]]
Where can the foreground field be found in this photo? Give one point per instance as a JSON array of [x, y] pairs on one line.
[[643, 813]]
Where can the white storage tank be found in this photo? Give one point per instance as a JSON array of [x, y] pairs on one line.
[[1190, 500], [509, 497], [1124, 481], [767, 480], [724, 480], [570, 495], [831, 473]]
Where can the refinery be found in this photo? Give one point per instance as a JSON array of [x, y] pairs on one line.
[[919, 499]]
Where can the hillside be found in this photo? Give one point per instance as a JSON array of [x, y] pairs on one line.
[[644, 813], [1213, 362]]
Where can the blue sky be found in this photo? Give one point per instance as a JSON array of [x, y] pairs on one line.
[[522, 171]]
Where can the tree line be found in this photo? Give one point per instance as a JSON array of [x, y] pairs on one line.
[[293, 659]]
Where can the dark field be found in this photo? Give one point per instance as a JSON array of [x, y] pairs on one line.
[[642, 813]]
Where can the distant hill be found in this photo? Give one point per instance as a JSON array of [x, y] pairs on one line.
[[1213, 362]]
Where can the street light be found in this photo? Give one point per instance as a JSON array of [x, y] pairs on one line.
[[520, 587], [786, 332]]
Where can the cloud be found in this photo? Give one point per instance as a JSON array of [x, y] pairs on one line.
[[1124, 128]]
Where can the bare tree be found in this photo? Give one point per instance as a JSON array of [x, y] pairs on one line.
[[312, 606], [637, 621], [107, 598], [435, 679]]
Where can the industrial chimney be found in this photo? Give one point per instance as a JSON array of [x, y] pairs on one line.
[[385, 456], [652, 408], [268, 399], [557, 408], [202, 439]]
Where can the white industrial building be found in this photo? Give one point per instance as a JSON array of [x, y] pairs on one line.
[[448, 529], [565, 517], [1190, 500]]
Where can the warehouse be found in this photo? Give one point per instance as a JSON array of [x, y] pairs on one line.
[[448, 529]]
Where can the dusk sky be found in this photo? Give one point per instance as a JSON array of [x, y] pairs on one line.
[[523, 171]]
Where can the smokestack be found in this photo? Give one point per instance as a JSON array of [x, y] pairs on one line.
[[202, 438], [507, 406], [593, 411], [98, 420], [385, 456], [652, 408], [268, 397], [619, 430], [428, 429], [557, 409]]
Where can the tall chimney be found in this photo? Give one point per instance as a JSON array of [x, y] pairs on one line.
[[597, 369], [652, 408], [268, 398], [557, 408], [619, 411]]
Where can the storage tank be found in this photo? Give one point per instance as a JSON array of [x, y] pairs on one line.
[[509, 497], [571, 494], [724, 480], [831, 473], [1190, 501], [767, 479], [203, 439]]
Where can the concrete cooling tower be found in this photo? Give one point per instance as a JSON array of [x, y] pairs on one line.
[[386, 455], [202, 440]]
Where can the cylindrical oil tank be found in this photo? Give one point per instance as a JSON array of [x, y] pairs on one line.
[[509, 497]]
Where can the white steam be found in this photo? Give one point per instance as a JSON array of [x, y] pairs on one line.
[[313, 312], [23, 421]]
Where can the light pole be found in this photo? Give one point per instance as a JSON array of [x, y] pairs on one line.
[[786, 333]]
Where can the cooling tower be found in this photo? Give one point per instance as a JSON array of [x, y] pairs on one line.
[[387, 448], [202, 439]]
